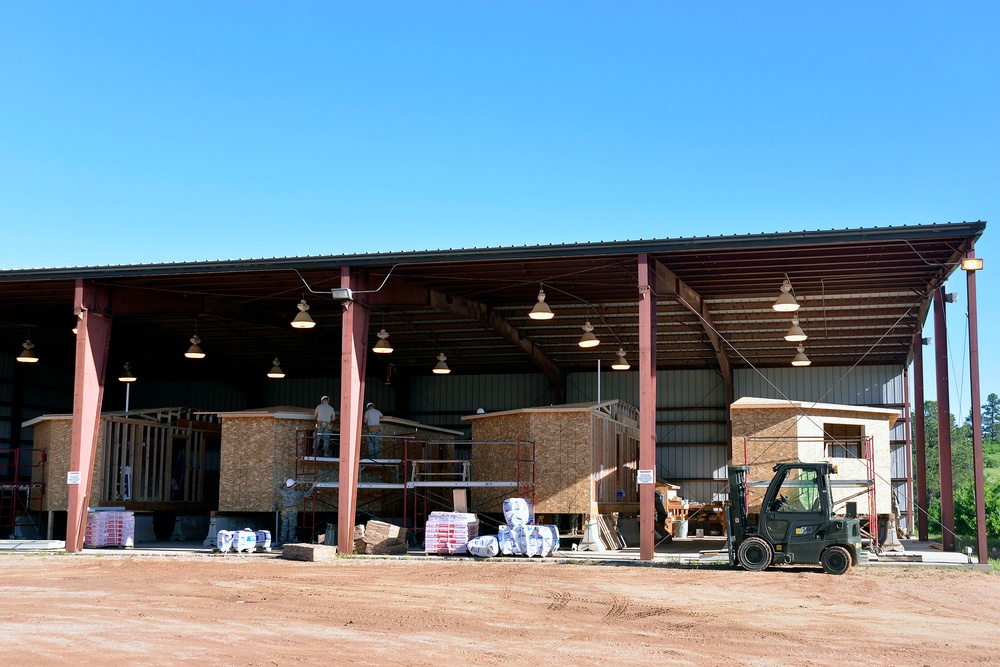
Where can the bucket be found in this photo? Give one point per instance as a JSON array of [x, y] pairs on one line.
[[681, 529]]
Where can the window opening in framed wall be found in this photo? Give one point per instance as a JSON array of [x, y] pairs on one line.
[[844, 441]]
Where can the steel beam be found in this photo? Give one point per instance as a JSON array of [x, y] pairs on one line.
[[354, 349], [944, 422], [647, 401], [92, 305], [919, 437], [979, 472]]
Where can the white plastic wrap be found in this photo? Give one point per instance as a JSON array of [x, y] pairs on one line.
[[518, 511], [484, 546]]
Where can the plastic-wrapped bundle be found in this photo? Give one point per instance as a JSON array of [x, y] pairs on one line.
[[505, 539], [224, 540], [245, 540], [550, 538], [449, 532], [263, 540], [484, 546], [518, 512]]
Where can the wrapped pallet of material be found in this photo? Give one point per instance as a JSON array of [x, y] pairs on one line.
[[518, 511], [245, 540], [224, 540], [505, 541], [263, 540], [450, 532], [110, 528], [484, 546], [549, 535]]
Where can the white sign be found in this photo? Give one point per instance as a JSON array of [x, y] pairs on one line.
[[73, 477], [646, 477]]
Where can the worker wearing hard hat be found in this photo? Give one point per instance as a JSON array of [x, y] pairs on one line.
[[325, 415], [372, 419], [289, 502]]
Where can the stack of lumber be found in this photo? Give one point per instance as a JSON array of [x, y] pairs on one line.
[[382, 538]]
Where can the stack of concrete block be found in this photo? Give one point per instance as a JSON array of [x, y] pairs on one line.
[[383, 539]]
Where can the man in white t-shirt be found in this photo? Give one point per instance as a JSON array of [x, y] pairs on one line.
[[325, 415], [372, 419]]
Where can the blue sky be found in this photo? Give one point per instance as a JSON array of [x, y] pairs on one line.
[[166, 131]]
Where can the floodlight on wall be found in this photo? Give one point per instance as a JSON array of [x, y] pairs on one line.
[[276, 371], [383, 346], [27, 355], [76, 325], [195, 351], [800, 358], [127, 375], [972, 264], [786, 302], [795, 333], [620, 363], [951, 297], [541, 311], [441, 368], [925, 341], [302, 319], [588, 339]]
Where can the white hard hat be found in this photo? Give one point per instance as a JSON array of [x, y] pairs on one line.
[[324, 398], [370, 405], [480, 411], [289, 482]]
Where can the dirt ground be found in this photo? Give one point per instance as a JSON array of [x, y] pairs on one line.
[[157, 610]]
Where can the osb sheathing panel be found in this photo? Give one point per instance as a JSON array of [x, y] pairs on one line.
[[257, 454], [774, 437], [55, 437]]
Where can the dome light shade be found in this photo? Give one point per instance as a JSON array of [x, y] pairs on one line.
[[383, 346], [588, 339], [800, 358], [441, 368], [786, 302], [276, 371], [27, 355], [621, 363], [302, 319], [195, 351], [795, 333], [126, 375], [541, 311]]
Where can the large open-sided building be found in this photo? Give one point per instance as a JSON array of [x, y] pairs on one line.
[[693, 319]]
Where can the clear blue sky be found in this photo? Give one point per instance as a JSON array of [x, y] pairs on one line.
[[164, 131]]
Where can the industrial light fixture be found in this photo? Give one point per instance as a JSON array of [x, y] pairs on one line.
[[302, 319], [127, 375], [588, 339], [441, 368], [76, 324], [795, 333], [800, 358], [27, 356], [972, 264], [620, 363], [276, 371], [541, 311], [786, 302], [195, 351], [951, 297], [925, 341], [383, 346]]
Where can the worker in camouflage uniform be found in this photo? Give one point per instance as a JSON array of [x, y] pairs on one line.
[[290, 498]]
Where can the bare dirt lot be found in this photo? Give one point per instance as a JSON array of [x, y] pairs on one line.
[[156, 610]]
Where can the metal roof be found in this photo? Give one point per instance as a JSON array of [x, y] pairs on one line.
[[863, 294]]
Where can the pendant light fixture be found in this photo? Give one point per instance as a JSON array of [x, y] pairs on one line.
[[800, 358], [588, 339], [795, 333], [786, 302], [302, 319], [541, 311], [276, 371], [383, 346], [441, 368], [127, 375], [195, 351], [27, 355], [620, 363]]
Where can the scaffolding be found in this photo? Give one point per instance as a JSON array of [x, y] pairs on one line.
[[22, 471], [407, 477]]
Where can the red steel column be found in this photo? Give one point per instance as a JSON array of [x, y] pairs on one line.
[[647, 402], [353, 355], [944, 422], [977, 417], [92, 341], [919, 437], [908, 431]]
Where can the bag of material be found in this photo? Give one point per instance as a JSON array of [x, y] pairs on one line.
[[484, 546], [518, 512]]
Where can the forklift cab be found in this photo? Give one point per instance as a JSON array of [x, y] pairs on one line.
[[795, 512]]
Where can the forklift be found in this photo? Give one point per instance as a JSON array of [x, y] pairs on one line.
[[795, 523]]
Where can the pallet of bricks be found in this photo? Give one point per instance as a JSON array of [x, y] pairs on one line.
[[110, 528]]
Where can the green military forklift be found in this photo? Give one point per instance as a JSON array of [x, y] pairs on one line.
[[795, 523]]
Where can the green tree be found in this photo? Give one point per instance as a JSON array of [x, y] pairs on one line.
[[991, 418], [965, 510]]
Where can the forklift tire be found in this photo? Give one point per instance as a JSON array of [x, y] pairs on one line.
[[835, 560], [755, 554]]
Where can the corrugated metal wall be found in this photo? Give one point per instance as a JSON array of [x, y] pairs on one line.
[[862, 385], [442, 400]]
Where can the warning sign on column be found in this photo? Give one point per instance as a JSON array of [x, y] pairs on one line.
[[646, 477]]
